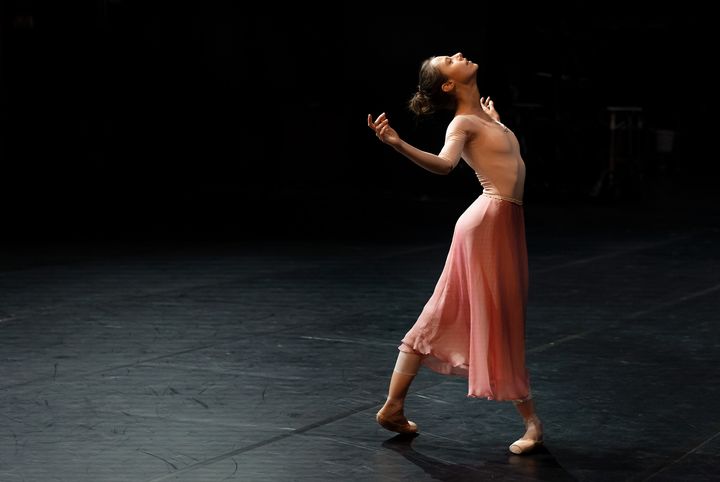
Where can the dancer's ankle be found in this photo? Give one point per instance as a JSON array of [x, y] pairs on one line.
[[393, 405]]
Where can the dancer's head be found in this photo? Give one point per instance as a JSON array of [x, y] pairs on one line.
[[438, 80]]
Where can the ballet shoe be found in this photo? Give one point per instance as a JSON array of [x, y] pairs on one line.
[[395, 424], [525, 445]]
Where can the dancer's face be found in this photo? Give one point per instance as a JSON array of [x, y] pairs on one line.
[[455, 67]]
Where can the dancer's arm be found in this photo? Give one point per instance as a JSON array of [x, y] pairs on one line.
[[424, 159], [442, 163]]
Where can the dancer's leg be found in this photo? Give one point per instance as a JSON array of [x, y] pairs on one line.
[[406, 367], [534, 430], [391, 415]]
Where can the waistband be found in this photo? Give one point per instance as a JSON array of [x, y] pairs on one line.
[[506, 198]]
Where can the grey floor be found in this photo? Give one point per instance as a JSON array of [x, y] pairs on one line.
[[267, 359]]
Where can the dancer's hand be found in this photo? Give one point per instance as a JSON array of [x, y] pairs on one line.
[[383, 131], [489, 107]]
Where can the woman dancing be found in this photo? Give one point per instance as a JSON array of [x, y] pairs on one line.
[[473, 325]]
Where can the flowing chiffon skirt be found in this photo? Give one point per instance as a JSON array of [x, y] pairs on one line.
[[473, 325]]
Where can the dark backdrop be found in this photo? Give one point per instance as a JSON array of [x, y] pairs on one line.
[[131, 120]]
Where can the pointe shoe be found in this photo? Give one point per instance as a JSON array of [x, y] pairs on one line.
[[524, 445], [395, 424]]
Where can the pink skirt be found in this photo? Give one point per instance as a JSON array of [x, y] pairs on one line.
[[474, 323]]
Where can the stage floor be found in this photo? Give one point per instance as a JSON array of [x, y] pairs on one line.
[[267, 359]]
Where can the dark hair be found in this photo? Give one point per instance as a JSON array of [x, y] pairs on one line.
[[430, 96]]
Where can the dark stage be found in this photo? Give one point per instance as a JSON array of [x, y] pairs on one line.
[[208, 260]]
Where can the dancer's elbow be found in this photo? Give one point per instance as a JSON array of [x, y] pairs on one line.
[[445, 167]]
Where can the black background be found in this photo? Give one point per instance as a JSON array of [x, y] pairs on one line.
[[137, 120]]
